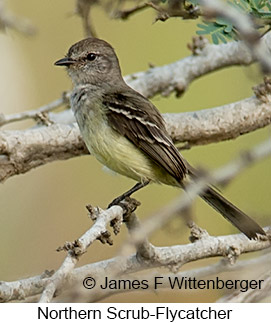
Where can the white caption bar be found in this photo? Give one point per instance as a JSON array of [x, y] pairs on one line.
[[141, 312]]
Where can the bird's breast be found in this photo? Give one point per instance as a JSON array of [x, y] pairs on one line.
[[112, 149]]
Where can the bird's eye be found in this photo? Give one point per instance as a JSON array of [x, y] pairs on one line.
[[91, 56]]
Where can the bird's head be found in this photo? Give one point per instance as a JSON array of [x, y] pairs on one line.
[[93, 61]]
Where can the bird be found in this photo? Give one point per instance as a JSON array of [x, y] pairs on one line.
[[127, 133]]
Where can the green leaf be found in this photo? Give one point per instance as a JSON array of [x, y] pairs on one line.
[[202, 32], [220, 30], [222, 21], [228, 29], [242, 5], [222, 38], [215, 39], [194, 2], [258, 4]]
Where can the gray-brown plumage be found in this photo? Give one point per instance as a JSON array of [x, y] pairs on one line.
[[145, 129], [126, 132]]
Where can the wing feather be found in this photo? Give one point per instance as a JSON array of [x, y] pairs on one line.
[[136, 118]]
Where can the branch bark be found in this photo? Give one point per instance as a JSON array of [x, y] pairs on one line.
[[251, 296], [224, 246], [22, 150], [76, 249], [220, 267], [177, 76], [203, 246], [219, 177], [174, 77]]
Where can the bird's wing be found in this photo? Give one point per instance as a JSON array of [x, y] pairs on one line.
[[136, 118]]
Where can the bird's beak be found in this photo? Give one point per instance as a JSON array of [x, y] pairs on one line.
[[66, 61]]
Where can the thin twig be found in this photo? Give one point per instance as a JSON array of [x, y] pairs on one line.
[[31, 114], [168, 256], [178, 9], [83, 9], [206, 246], [193, 189], [8, 20], [178, 75], [126, 13], [77, 249]]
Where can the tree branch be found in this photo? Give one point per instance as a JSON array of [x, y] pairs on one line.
[[83, 9], [221, 266], [22, 150], [218, 124], [245, 26], [76, 249], [33, 114], [126, 13], [224, 246], [252, 295], [177, 76], [172, 77], [8, 20], [166, 79], [204, 246], [221, 176]]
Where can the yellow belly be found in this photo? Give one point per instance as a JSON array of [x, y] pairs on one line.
[[118, 153]]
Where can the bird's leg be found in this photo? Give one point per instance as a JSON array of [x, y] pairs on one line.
[[131, 191]]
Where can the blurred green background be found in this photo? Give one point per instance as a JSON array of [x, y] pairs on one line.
[[44, 208]]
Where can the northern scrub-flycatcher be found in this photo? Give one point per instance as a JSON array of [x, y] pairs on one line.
[[126, 132]]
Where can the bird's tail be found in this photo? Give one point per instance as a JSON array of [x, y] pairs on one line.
[[230, 212]]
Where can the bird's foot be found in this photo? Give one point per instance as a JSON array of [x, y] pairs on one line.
[[135, 188], [117, 200]]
